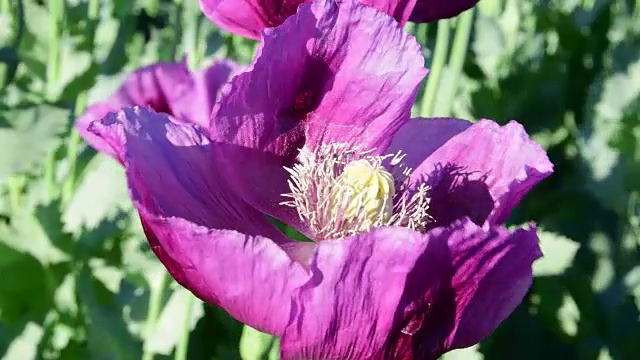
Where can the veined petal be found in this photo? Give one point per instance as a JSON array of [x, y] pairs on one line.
[[193, 221], [170, 168], [419, 138], [250, 277], [481, 171], [488, 276], [331, 73], [249, 17], [396, 294], [353, 302], [431, 10]]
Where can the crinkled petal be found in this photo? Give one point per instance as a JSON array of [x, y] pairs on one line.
[[167, 88], [330, 73], [489, 274], [397, 294], [352, 302], [170, 170], [249, 17], [419, 138], [481, 171], [250, 277], [192, 220], [431, 10]]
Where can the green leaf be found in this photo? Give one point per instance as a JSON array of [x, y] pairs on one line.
[[27, 135], [37, 20], [470, 353], [558, 251], [39, 234], [101, 194], [107, 333], [489, 45], [255, 345], [25, 346], [105, 86], [610, 142], [569, 315], [180, 314], [27, 293], [65, 296], [74, 72]]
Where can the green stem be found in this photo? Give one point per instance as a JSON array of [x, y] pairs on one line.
[[491, 8], [50, 177], [155, 301], [410, 28], [72, 152], [588, 4], [14, 187], [437, 65], [176, 19], [458, 55], [422, 32], [183, 344], [5, 7], [56, 10], [94, 9]]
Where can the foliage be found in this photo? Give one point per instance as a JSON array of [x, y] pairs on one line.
[[79, 281]]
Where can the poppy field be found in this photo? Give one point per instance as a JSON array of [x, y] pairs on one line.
[[177, 174]]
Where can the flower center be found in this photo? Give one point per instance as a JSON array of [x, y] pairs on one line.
[[365, 191], [340, 191]]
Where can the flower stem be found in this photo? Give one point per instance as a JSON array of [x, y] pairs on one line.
[[14, 188], [5, 6], [155, 300], [422, 30], [458, 55], [410, 27], [183, 344], [50, 177], [72, 152], [56, 10], [94, 9], [588, 4], [491, 8], [437, 65], [190, 34]]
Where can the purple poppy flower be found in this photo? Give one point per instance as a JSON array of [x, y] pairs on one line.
[[249, 17], [405, 264], [165, 87]]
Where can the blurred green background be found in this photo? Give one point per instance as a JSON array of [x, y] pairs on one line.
[[77, 280]]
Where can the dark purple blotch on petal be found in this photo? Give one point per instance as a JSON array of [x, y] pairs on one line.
[[455, 194], [481, 170], [432, 10], [488, 275], [393, 293], [332, 73]]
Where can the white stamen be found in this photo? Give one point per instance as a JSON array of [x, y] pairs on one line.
[[336, 201]]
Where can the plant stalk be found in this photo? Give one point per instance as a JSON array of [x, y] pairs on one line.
[[458, 56], [437, 66]]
